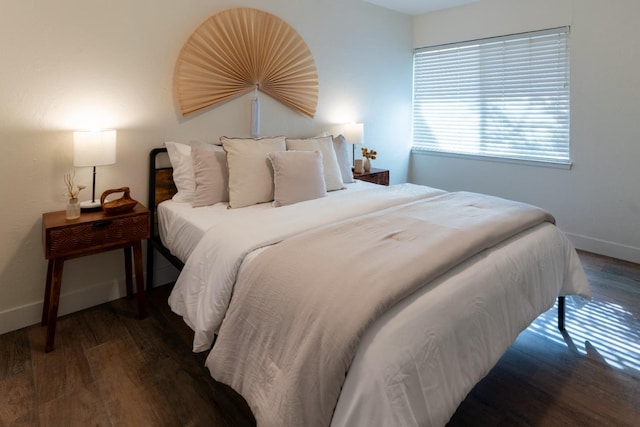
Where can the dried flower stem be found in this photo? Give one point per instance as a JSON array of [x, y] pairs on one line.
[[68, 181]]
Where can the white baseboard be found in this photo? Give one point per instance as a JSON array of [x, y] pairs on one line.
[[604, 247], [30, 314]]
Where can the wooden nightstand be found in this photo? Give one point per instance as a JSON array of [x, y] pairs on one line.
[[376, 176], [93, 232]]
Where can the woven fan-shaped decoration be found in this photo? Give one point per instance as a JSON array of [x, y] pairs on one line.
[[236, 50]]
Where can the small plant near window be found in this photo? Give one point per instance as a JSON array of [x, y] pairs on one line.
[[369, 154]]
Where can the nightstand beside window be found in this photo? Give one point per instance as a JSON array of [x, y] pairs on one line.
[[375, 176]]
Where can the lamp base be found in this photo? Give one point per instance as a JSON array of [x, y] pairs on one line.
[[90, 206]]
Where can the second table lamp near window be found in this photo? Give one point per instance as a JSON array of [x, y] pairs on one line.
[[93, 148], [354, 134]]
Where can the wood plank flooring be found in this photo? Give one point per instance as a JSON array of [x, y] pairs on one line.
[[109, 368]]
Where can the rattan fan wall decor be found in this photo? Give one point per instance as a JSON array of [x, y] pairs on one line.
[[237, 50]]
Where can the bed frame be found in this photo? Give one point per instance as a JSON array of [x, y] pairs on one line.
[[162, 187]]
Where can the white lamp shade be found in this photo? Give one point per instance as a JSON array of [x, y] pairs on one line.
[[354, 133], [94, 148]]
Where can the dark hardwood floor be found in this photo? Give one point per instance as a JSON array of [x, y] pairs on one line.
[[108, 368]]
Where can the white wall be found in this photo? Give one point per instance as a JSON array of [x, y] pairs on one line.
[[597, 203], [73, 64]]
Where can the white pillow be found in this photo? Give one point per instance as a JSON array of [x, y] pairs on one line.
[[183, 175], [332, 175], [211, 174], [341, 148], [297, 176], [250, 171]]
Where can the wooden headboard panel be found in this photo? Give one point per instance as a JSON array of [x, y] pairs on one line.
[[161, 185]]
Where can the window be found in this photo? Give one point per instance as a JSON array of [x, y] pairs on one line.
[[503, 97]]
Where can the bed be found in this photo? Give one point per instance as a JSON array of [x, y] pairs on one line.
[[408, 361]]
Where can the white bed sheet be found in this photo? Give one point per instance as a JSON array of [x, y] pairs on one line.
[[181, 226]]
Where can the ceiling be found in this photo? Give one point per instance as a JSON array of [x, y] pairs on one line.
[[417, 7]]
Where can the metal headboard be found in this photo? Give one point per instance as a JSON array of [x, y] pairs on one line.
[[161, 188]]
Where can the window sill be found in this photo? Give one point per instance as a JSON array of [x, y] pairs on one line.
[[540, 163]]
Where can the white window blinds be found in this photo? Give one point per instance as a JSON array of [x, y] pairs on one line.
[[505, 97]]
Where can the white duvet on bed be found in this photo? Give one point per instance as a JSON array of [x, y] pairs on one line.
[[419, 360], [413, 367], [402, 374], [299, 308], [203, 289]]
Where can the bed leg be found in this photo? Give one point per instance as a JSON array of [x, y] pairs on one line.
[[561, 313], [149, 265]]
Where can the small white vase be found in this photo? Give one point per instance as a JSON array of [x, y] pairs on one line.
[[73, 208], [367, 165]]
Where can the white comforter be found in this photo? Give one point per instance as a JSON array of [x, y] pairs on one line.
[[203, 289], [299, 310], [419, 360], [400, 375]]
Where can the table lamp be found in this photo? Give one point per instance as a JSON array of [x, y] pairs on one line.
[[354, 134], [93, 148]]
